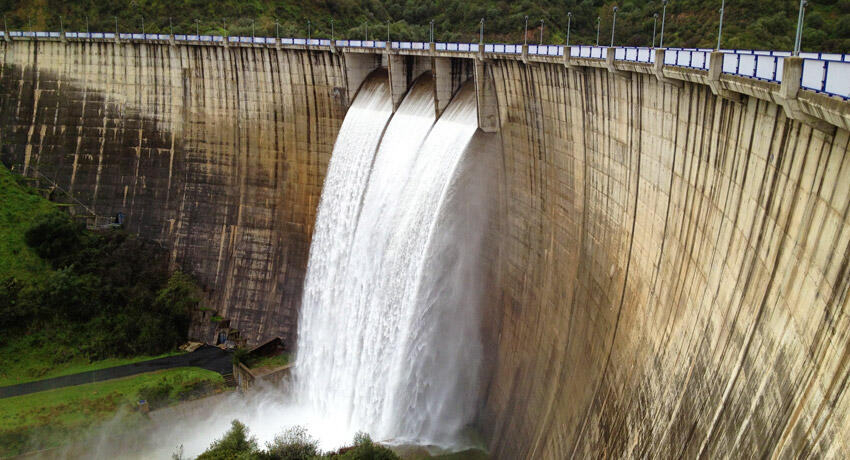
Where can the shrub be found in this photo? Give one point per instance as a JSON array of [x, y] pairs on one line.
[[236, 444], [157, 395], [365, 449], [54, 235], [292, 444]]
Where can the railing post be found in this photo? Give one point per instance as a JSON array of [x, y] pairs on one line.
[[658, 69], [567, 56], [715, 70], [525, 53], [789, 90], [610, 58]]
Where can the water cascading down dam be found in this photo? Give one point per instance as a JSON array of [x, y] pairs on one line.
[[663, 273], [381, 343]]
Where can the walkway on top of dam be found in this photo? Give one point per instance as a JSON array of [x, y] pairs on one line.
[[825, 73], [207, 357]]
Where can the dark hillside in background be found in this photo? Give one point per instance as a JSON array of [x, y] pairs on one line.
[[748, 24]]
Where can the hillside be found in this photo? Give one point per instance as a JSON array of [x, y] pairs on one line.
[[21, 206], [748, 23]]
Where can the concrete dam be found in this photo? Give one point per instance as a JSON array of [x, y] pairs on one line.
[[665, 264]]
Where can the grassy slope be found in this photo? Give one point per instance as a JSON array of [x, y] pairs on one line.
[[18, 208], [20, 363], [63, 414], [760, 24], [269, 361]]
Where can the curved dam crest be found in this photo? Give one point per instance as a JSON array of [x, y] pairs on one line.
[[669, 268]]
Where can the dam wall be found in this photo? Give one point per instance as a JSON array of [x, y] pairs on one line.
[[669, 259], [673, 272], [217, 152]]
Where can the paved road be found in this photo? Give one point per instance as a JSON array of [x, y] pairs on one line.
[[207, 357]]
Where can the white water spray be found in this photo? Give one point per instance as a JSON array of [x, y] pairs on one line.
[[371, 349]]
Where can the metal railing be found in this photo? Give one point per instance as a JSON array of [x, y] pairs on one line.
[[826, 76], [827, 73]]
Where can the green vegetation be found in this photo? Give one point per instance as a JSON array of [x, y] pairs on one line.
[[267, 361], [70, 297], [748, 23], [51, 418], [22, 363], [292, 444], [19, 207]]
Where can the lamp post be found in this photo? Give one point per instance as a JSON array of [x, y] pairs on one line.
[[252, 31], [720, 27], [598, 21], [197, 29], [143, 27], [366, 38], [277, 31], [541, 32], [170, 27], [481, 32], [332, 30], [569, 21], [431, 31], [654, 22], [525, 32], [388, 31], [663, 17], [614, 26], [61, 26], [87, 26], [798, 40], [117, 35], [309, 31]]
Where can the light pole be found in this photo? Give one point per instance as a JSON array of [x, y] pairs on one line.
[[143, 27], [720, 28], [598, 21], [614, 26], [117, 35], [663, 17], [541, 32], [332, 30], [366, 38], [252, 31], [798, 40], [170, 27], [87, 26], [388, 31], [654, 22], [481, 32], [431, 31], [525, 33], [309, 31], [61, 26], [277, 31], [569, 21], [198, 28]]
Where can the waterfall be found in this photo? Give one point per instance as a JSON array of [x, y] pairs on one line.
[[383, 345]]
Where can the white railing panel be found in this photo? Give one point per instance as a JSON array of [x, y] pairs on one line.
[[813, 74], [838, 79], [747, 65]]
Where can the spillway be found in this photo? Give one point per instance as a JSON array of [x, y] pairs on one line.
[[370, 347]]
